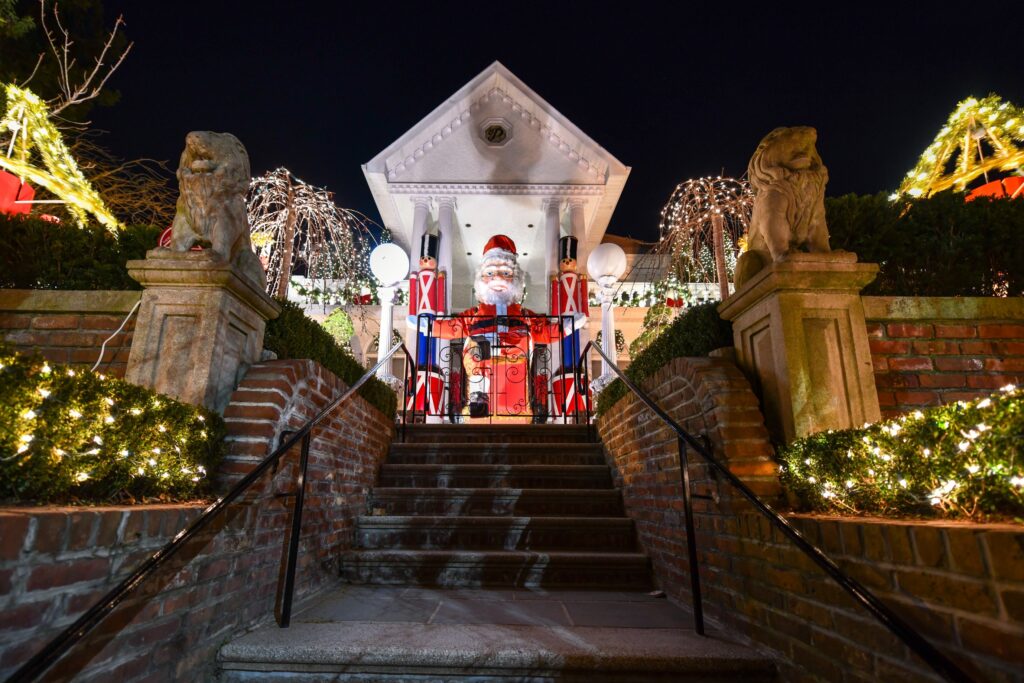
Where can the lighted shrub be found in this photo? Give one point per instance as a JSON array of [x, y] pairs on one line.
[[957, 460], [293, 335], [697, 332], [70, 435]]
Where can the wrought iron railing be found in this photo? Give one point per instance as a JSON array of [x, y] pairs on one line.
[[73, 634], [917, 643], [495, 367]]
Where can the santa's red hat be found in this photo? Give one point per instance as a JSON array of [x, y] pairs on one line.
[[500, 242]]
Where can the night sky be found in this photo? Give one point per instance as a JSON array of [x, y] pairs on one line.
[[673, 94]]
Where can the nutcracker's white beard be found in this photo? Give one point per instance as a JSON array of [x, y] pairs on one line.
[[513, 291]]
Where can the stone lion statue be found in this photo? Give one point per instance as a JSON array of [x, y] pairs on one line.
[[213, 177], [788, 179]]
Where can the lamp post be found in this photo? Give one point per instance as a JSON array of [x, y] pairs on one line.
[[606, 264], [389, 264]]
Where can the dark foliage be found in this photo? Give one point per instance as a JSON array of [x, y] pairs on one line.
[[941, 246], [293, 335], [38, 254], [696, 332]]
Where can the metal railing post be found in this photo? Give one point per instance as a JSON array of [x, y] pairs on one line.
[[691, 540], [293, 540]]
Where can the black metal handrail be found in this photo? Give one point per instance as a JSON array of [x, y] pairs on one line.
[[74, 633], [942, 665]]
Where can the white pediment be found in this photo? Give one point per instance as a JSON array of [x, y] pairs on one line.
[[450, 145]]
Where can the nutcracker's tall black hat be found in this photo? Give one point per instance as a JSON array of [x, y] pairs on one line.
[[567, 248], [429, 245]]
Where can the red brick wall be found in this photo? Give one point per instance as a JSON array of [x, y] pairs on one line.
[[930, 351], [69, 326], [54, 563], [962, 585]]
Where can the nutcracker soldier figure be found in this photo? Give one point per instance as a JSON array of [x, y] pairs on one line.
[[569, 300], [426, 301], [499, 332]]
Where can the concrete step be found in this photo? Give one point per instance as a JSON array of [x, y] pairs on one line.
[[447, 433], [496, 454], [495, 476], [497, 501], [496, 533], [472, 569], [361, 633]]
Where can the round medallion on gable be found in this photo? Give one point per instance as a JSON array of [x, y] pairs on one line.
[[496, 132]]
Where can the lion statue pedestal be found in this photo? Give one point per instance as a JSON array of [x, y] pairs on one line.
[[798, 320], [203, 313]]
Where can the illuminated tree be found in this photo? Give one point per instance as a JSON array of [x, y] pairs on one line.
[[296, 226], [978, 138], [701, 226]]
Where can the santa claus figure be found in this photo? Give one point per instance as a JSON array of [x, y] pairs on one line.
[[569, 302], [426, 302], [499, 333]]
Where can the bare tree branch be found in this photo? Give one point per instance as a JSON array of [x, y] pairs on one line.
[[94, 80]]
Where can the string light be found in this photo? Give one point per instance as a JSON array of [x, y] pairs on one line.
[[27, 119], [958, 459], [291, 222], [989, 119], [688, 225]]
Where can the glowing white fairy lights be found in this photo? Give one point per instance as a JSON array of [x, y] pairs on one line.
[[701, 226], [961, 459], [296, 228]]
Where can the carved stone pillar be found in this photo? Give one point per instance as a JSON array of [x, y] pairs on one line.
[[800, 336], [200, 326]]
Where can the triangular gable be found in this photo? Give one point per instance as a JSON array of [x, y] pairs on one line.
[[497, 93]]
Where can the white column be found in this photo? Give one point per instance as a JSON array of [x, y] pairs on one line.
[[578, 227], [387, 301], [420, 218], [447, 229], [552, 233], [607, 326]]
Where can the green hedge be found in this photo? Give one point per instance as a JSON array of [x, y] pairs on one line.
[[293, 335], [38, 254], [941, 246], [697, 332], [958, 460], [70, 435]]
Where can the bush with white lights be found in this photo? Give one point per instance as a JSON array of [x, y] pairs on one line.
[[70, 435], [958, 460]]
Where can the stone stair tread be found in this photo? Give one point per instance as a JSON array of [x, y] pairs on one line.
[[490, 520], [492, 650], [459, 467], [475, 556]]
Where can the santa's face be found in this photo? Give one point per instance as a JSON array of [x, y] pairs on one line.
[[498, 283]]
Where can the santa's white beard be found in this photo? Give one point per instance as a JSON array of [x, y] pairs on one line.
[[506, 297]]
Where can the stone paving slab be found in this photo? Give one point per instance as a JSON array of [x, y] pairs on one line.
[[478, 632]]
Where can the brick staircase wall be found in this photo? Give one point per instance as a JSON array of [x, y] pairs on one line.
[[960, 584], [933, 350], [56, 562], [69, 326]]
